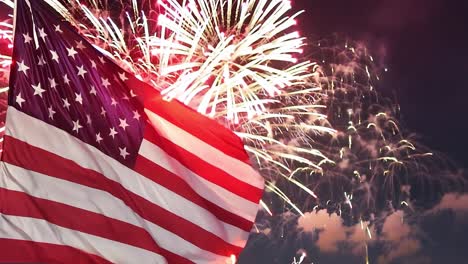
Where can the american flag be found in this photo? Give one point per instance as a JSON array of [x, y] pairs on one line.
[[98, 168]]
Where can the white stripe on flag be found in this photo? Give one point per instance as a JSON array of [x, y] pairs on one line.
[[100, 202], [211, 155], [208, 190], [38, 230]]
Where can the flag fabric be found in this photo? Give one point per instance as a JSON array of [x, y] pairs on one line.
[[98, 168]]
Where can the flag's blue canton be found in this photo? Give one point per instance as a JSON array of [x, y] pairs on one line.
[[67, 83]]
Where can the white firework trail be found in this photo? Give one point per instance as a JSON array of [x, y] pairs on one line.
[[228, 57]]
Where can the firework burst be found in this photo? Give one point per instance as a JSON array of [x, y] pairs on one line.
[[228, 57], [120, 29], [282, 141], [377, 165]]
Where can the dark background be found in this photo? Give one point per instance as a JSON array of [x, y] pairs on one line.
[[424, 43]]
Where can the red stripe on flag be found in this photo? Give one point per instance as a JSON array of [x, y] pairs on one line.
[[20, 204], [174, 183], [202, 168], [21, 251], [32, 158], [189, 120]]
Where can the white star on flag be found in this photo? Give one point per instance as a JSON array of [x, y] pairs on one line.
[[41, 60], [66, 104], [76, 125], [42, 34], [19, 100], [22, 67], [65, 79], [113, 132], [98, 138], [78, 98], [79, 45], [52, 83], [113, 102], [123, 152], [57, 29], [105, 82], [122, 76], [55, 56], [71, 52], [38, 90], [27, 38], [93, 90], [88, 120], [103, 111], [123, 123], [51, 113], [81, 71], [136, 115], [101, 59]]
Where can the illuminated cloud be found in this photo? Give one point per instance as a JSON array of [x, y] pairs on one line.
[[453, 201]]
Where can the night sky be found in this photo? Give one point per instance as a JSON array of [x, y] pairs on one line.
[[424, 44]]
